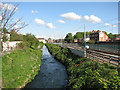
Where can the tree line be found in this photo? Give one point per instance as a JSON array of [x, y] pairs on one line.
[[80, 35]]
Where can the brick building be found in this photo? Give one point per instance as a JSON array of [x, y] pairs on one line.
[[98, 36]]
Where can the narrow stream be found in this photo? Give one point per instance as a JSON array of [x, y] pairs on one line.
[[52, 74]]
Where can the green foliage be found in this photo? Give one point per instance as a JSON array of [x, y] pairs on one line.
[[91, 41], [69, 38], [14, 36], [110, 35], [4, 38], [84, 73], [79, 35], [20, 67], [31, 39], [5, 30], [23, 45], [105, 32]]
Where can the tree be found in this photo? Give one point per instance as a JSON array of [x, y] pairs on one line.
[[7, 22], [105, 32], [110, 35], [7, 12], [79, 35], [14, 36], [69, 38], [4, 38], [31, 39]]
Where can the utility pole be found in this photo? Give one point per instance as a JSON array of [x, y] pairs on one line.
[[84, 41]]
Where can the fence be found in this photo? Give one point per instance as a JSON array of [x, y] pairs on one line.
[[93, 54], [103, 57], [106, 48]]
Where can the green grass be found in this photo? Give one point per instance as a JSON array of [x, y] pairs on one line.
[[85, 73], [20, 67]]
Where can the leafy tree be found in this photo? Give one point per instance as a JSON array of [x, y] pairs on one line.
[[69, 38], [79, 35], [31, 39], [14, 36], [5, 30], [4, 38], [105, 32], [110, 35]]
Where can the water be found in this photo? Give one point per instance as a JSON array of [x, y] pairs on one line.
[[52, 74]]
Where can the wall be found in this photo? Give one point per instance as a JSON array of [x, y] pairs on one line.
[[77, 52], [7, 46]]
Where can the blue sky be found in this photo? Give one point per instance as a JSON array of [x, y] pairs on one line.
[[40, 16]]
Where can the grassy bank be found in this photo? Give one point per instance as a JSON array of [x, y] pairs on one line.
[[20, 67], [85, 73]]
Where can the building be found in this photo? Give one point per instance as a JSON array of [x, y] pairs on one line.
[[42, 40], [59, 40], [98, 36], [50, 41], [75, 40], [82, 39]]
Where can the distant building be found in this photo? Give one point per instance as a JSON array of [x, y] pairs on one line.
[[98, 36], [50, 41], [82, 39], [59, 40], [42, 40], [75, 40]]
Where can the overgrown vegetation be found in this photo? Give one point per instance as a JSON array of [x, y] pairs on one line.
[[85, 73], [91, 41], [21, 65]]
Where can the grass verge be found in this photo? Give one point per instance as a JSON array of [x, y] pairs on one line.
[[20, 67]]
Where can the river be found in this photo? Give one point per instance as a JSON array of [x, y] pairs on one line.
[[52, 74]]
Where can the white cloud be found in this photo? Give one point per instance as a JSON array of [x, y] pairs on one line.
[[113, 25], [92, 19], [34, 11], [50, 25], [107, 24], [16, 27], [71, 16], [39, 21], [61, 21]]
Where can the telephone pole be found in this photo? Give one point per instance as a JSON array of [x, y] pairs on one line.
[[84, 41]]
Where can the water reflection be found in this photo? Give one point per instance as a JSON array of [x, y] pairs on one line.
[[52, 74]]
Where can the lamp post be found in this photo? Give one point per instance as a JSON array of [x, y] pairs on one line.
[[84, 41]]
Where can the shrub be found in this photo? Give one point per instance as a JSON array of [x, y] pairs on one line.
[[91, 41], [84, 73]]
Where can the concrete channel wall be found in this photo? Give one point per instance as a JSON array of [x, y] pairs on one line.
[[77, 52]]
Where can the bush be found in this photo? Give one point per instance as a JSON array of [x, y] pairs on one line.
[[91, 41], [84, 73]]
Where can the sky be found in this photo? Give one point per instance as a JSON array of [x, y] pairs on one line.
[[56, 19]]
